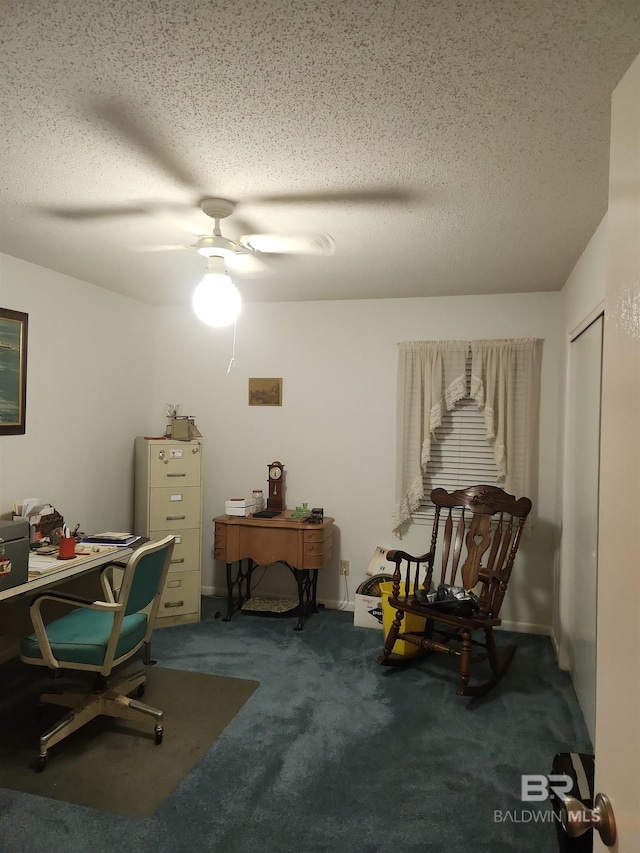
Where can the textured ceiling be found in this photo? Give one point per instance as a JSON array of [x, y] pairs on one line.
[[489, 119]]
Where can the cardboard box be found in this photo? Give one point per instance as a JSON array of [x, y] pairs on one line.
[[367, 612], [183, 429]]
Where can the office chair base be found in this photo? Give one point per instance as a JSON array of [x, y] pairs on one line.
[[112, 701]]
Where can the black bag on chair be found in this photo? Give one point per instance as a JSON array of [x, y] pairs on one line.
[[450, 599]]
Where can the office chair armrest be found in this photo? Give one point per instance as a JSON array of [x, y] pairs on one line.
[[71, 598], [106, 579], [68, 598]]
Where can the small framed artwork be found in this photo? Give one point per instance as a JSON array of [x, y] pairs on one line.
[[265, 392], [13, 371]]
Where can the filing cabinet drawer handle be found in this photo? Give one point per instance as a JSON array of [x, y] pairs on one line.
[[175, 517], [177, 475], [178, 560], [174, 604]]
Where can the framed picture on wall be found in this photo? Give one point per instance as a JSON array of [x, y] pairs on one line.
[[13, 371], [265, 392]]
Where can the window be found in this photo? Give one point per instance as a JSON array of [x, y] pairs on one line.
[[467, 414], [461, 454]]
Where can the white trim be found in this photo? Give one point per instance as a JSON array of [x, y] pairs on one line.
[[349, 606], [212, 592], [584, 324], [525, 628]]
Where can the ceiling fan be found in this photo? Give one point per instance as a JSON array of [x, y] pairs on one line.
[[241, 255], [121, 118], [250, 245]]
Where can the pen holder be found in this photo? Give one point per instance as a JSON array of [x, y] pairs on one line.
[[66, 548]]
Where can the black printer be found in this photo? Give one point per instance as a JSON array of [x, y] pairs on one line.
[[14, 553]]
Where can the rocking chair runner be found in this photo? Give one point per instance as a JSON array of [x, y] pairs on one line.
[[486, 523]]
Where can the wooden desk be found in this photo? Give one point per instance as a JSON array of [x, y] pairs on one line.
[[302, 547]]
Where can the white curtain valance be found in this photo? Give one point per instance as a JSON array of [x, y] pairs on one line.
[[431, 378], [505, 382]]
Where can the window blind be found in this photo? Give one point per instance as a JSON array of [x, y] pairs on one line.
[[461, 455]]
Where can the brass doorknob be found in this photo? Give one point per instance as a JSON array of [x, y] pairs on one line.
[[576, 818]]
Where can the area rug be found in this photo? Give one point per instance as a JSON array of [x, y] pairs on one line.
[[115, 765]]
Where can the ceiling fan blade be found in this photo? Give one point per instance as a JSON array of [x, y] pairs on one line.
[[289, 244], [242, 225], [76, 213], [133, 128], [247, 264], [371, 196], [152, 208], [143, 250]]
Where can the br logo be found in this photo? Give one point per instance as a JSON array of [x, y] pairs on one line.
[[536, 787]]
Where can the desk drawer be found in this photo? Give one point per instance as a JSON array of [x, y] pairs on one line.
[[175, 508], [314, 548], [186, 551], [181, 594], [318, 535], [317, 552], [220, 543]]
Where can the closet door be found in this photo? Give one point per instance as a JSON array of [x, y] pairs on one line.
[[580, 524]]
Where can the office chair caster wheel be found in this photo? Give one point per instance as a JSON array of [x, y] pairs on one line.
[[41, 762], [158, 735]]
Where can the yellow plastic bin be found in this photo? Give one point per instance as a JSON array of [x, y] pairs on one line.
[[410, 622]]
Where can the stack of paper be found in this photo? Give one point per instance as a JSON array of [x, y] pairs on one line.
[[110, 538], [42, 565]]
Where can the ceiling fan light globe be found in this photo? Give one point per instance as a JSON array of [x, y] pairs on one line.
[[216, 300]]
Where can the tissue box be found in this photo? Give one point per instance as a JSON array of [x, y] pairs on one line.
[[239, 506]]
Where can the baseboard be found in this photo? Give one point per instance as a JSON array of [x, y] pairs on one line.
[[525, 628], [213, 592], [507, 625]]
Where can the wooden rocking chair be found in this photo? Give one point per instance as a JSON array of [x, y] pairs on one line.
[[478, 523]]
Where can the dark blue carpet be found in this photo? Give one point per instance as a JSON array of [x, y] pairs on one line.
[[335, 753]]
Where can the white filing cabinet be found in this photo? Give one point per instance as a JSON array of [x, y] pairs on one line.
[[168, 499]]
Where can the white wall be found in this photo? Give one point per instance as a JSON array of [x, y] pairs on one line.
[[335, 432], [102, 369], [89, 369], [585, 288]]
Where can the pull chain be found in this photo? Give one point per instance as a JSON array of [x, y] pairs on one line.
[[232, 363]]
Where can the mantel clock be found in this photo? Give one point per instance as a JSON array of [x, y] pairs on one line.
[[276, 486]]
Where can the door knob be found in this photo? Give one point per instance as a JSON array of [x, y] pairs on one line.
[[576, 818]]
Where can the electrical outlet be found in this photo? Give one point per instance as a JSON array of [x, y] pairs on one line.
[[344, 567]]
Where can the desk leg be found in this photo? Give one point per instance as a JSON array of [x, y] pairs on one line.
[[238, 587], [307, 580]]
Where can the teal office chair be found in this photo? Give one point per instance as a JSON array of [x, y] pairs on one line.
[[98, 636]]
